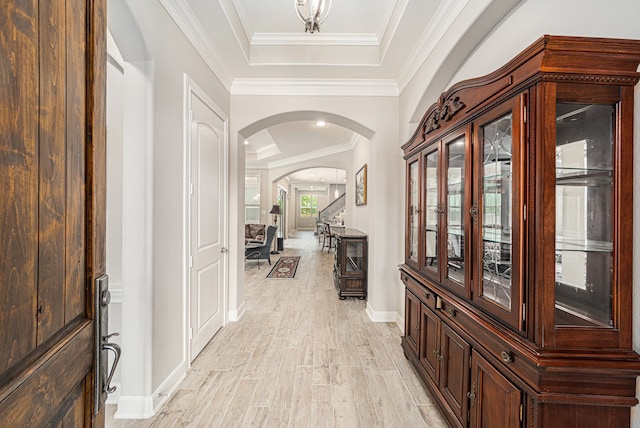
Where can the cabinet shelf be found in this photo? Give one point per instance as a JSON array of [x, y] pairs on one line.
[[583, 177], [583, 245], [455, 230], [455, 188], [499, 236]]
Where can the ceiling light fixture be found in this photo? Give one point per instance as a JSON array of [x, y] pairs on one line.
[[312, 13], [321, 123], [246, 142]]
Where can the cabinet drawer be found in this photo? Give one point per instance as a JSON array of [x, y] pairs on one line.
[[491, 341], [425, 295]]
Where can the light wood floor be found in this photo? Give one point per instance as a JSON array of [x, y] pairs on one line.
[[299, 357]]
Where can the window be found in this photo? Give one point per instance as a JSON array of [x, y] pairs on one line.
[[252, 199], [308, 206]]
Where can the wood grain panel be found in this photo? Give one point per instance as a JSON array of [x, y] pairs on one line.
[[18, 182], [75, 414], [38, 399], [51, 213], [76, 95], [96, 165]]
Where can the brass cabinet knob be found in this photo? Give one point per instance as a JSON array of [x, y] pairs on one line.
[[507, 356]]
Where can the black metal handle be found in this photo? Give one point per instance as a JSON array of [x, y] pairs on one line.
[[116, 350]]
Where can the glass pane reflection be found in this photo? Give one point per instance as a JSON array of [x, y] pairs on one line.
[[414, 215], [496, 211], [432, 212], [455, 219]]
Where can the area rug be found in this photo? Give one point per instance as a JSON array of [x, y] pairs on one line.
[[285, 267]]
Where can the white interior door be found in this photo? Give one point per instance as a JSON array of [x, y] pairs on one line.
[[208, 196]]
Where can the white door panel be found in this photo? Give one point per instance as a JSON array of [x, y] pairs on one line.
[[207, 276]]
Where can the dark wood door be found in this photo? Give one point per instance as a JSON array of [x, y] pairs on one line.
[[495, 401], [412, 321], [454, 372], [429, 340], [51, 208]]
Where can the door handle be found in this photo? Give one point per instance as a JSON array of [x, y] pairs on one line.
[[224, 250], [102, 346], [115, 348]]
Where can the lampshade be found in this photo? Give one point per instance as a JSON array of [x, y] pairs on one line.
[[275, 210]]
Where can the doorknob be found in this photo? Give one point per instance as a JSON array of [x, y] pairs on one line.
[[224, 250]]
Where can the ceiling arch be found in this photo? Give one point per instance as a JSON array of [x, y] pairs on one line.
[[294, 116]]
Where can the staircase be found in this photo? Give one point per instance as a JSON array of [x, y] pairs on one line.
[[334, 212]]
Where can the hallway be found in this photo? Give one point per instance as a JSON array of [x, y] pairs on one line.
[[299, 357]]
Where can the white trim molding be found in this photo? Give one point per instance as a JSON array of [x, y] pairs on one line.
[[134, 407], [189, 24], [236, 314], [316, 87], [382, 316]]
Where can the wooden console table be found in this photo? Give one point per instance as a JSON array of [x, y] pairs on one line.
[[350, 267]]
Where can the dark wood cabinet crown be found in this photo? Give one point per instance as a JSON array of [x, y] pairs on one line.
[[518, 240]]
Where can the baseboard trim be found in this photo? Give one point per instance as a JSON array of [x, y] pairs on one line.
[[140, 407], [134, 407], [381, 316], [169, 386], [236, 314]]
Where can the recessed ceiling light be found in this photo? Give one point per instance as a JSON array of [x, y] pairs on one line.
[[321, 123], [246, 142]]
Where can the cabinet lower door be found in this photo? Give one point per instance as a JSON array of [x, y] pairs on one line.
[[412, 321], [454, 371], [495, 402], [429, 341]]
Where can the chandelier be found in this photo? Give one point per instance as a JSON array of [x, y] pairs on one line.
[[312, 13]]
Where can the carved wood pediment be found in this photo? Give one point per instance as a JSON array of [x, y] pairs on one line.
[[446, 109]]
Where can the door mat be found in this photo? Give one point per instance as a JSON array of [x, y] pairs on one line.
[[285, 267]]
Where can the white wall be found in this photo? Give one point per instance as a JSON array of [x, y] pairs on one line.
[[115, 119], [151, 42], [526, 23]]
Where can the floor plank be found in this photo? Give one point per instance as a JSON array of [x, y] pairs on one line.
[[298, 357]]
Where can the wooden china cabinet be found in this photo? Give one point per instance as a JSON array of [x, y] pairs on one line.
[[519, 240]]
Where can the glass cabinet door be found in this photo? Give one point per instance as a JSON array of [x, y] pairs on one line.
[[498, 210], [454, 200], [584, 214], [413, 212], [432, 212], [497, 189], [354, 255]]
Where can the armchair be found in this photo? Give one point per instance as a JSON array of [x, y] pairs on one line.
[[260, 251]]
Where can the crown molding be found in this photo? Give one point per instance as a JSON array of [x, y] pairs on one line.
[[327, 151], [184, 17], [267, 151], [393, 23], [316, 87], [332, 39], [442, 20]]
